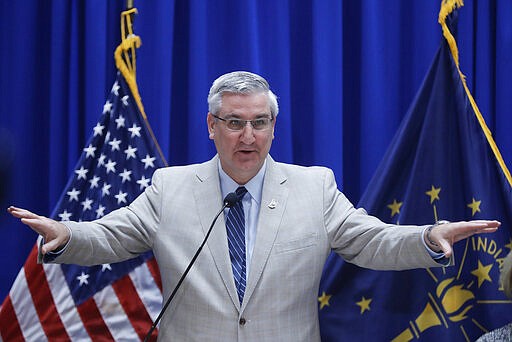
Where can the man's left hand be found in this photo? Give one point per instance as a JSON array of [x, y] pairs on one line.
[[445, 235]]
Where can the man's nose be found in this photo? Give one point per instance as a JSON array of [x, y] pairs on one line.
[[248, 133]]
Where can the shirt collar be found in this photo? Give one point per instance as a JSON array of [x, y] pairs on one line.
[[254, 186]]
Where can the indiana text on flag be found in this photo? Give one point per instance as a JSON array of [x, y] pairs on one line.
[[110, 301], [442, 164]]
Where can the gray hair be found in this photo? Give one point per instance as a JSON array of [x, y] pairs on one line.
[[240, 82], [506, 275]]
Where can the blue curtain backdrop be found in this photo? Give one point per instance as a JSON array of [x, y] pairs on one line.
[[345, 73]]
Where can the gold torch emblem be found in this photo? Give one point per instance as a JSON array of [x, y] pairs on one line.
[[452, 302]]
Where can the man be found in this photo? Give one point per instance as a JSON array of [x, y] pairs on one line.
[[258, 278]]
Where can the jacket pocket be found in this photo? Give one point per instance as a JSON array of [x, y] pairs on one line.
[[297, 243]]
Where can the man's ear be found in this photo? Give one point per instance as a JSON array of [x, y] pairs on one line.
[[210, 122]]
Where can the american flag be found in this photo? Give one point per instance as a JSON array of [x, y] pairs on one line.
[[105, 302]]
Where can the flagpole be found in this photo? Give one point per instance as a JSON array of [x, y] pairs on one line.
[[129, 6], [124, 56]]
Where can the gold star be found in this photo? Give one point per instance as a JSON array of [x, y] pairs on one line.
[[475, 206], [509, 245], [324, 300], [482, 273], [434, 194], [395, 207], [364, 304]]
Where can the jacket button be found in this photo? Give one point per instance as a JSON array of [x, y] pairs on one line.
[[242, 321]]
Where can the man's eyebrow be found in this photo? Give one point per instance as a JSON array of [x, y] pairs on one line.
[[231, 115], [237, 116]]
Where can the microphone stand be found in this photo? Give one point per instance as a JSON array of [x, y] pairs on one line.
[[229, 201]]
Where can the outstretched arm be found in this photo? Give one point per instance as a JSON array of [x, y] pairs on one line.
[[442, 236], [55, 234]]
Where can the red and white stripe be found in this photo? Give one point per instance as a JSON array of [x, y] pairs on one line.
[[39, 306]]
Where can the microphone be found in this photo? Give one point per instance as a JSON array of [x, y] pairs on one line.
[[229, 201]]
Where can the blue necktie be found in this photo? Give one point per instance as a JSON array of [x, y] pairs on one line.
[[235, 225]]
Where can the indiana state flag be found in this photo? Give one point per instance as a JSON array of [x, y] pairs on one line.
[[442, 165]]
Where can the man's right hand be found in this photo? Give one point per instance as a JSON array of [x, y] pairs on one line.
[[55, 234]]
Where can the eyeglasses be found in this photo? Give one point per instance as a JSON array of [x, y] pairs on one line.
[[233, 124]]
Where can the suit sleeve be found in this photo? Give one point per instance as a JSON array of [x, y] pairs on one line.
[[122, 234], [365, 240]]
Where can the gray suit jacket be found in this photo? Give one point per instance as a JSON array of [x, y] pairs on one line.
[[311, 218]]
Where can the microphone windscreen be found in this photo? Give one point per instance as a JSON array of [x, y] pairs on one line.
[[230, 199]]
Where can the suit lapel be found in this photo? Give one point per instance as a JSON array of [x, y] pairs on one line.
[[209, 199], [273, 203]]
